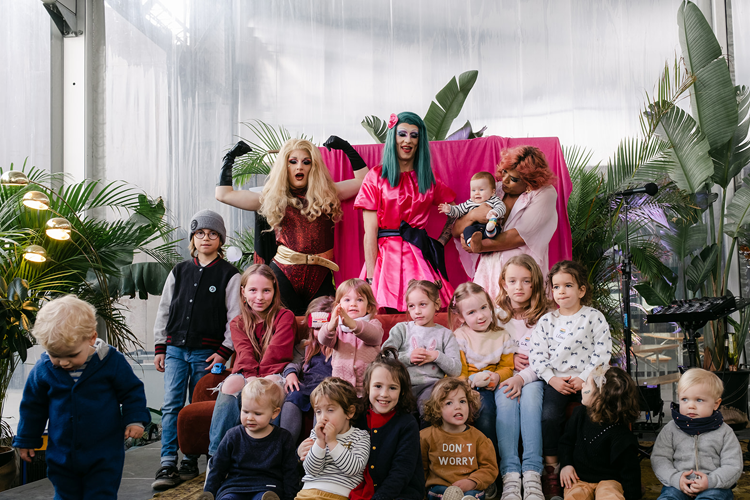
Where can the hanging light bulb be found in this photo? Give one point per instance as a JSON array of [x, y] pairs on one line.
[[14, 178], [35, 253], [58, 228], [36, 200]]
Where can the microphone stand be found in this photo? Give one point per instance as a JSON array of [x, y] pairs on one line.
[[626, 285]]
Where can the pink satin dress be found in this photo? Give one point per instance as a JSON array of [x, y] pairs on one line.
[[399, 262]]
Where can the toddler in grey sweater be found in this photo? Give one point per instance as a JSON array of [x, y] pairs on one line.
[[697, 453]]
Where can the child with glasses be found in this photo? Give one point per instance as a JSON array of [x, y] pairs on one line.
[[201, 297]]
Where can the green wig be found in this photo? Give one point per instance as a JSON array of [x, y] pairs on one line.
[[422, 166]]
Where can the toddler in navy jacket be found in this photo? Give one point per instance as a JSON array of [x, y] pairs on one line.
[[79, 385]]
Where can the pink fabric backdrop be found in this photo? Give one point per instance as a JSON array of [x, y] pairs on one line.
[[454, 162]]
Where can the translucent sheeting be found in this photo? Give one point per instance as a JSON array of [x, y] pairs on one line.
[[24, 85]]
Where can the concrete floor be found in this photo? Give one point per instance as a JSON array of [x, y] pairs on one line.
[[141, 464]]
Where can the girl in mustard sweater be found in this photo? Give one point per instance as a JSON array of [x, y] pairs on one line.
[[486, 350]]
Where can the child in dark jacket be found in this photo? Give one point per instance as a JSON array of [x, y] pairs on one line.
[[255, 460], [598, 452], [79, 385]]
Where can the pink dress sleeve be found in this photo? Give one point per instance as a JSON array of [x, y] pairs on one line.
[[539, 221], [442, 193], [369, 195]]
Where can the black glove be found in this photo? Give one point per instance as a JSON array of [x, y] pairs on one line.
[[225, 176], [335, 142]]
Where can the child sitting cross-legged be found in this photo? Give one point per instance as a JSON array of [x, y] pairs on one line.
[[598, 451], [459, 461], [255, 460], [696, 455]]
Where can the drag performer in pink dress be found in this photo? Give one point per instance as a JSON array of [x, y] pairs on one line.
[[300, 204], [397, 198], [530, 197]]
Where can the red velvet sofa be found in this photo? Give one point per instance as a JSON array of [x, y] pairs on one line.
[[194, 420]]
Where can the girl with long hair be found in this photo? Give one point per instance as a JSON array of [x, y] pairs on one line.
[[263, 337]]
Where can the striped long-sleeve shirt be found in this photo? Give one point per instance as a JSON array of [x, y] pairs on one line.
[[339, 470], [463, 208]]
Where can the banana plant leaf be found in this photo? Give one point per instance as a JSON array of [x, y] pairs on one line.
[[684, 240], [730, 158], [689, 164], [738, 211], [376, 127], [466, 132], [447, 105], [144, 278], [658, 292], [701, 267], [712, 96]]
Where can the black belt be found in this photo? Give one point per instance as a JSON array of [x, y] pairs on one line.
[[432, 250]]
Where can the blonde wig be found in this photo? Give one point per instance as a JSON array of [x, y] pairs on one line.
[[322, 198]]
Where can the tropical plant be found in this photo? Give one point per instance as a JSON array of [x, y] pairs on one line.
[[94, 263], [440, 115], [702, 154]]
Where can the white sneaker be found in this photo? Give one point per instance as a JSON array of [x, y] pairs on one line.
[[511, 486], [532, 486], [453, 493]]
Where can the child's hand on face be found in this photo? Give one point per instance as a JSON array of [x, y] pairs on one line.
[[346, 320], [331, 434], [465, 484], [26, 454], [577, 383], [685, 483], [320, 436], [133, 431], [568, 476], [444, 208], [700, 483], [562, 385], [520, 362]]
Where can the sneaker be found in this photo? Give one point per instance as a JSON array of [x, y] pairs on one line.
[[551, 484], [453, 493], [188, 470], [490, 492], [166, 477], [270, 495], [532, 486], [205, 496], [511, 486]]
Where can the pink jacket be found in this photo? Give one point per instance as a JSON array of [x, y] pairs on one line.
[[354, 350]]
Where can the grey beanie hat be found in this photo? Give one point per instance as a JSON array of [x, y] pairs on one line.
[[208, 219]]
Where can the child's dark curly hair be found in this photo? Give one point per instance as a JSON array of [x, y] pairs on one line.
[[433, 408], [579, 274], [388, 359], [617, 401]]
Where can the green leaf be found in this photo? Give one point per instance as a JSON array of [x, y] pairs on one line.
[[688, 162], [637, 161], [18, 290], [447, 105], [699, 45], [730, 158], [684, 240], [713, 102], [701, 267], [656, 293], [466, 132], [376, 127], [738, 211], [143, 277]]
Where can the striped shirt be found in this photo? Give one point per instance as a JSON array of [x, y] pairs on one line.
[[463, 208], [341, 469]]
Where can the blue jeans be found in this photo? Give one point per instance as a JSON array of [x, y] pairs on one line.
[[226, 415], [521, 416], [437, 491], [669, 493], [485, 420], [183, 368]]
